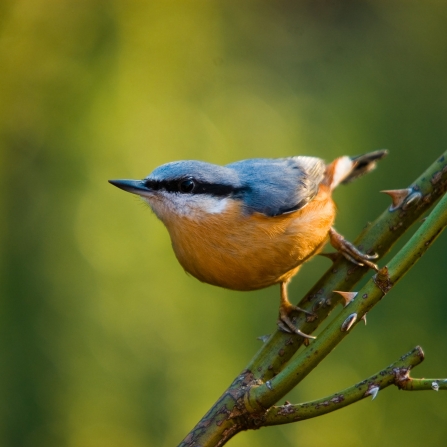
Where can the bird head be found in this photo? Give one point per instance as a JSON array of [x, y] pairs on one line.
[[185, 188]]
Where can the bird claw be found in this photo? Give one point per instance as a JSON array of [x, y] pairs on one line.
[[282, 326], [350, 251], [285, 324], [286, 308]]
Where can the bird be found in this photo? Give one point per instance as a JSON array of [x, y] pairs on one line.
[[252, 224]]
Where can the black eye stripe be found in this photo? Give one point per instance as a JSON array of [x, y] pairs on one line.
[[187, 186], [214, 189]]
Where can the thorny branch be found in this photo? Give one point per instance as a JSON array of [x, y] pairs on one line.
[[397, 374], [369, 295], [247, 403], [379, 237]]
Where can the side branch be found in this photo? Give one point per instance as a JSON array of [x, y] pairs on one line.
[[395, 374], [424, 385]]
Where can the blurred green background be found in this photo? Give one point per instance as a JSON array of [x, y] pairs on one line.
[[105, 342]]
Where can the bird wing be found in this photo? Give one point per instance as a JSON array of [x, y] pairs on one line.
[[279, 186]]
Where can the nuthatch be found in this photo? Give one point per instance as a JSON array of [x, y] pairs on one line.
[[252, 223]]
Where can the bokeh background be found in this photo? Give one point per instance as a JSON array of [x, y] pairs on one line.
[[104, 340]]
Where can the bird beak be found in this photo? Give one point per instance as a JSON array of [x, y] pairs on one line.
[[134, 186]]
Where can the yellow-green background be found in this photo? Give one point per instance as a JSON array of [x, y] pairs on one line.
[[104, 341]]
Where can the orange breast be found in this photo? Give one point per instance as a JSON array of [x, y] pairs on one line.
[[248, 252]]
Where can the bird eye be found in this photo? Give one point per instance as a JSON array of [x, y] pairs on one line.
[[186, 185]]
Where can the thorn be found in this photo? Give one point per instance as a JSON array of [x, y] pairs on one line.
[[373, 391], [383, 274], [411, 200], [347, 324], [382, 280], [364, 319], [263, 338], [269, 385], [347, 296], [332, 256], [435, 386], [403, 198], [398, 196]]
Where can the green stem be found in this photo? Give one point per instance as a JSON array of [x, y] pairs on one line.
[[395, 374], [425, 384]]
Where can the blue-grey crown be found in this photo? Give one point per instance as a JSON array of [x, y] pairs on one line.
[[200, 170]]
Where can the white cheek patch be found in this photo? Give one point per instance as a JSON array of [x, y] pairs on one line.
[[216, 206], [192, 205], [186, 205]]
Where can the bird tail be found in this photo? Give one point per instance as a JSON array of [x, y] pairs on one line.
[[346, 169]]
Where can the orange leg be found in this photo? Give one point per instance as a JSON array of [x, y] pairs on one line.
[[350, 251], [285, 309]]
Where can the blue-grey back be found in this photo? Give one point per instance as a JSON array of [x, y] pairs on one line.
[[278, 186]]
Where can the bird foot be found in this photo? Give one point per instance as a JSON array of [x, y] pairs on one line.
[[350, 251], [285, 323]]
